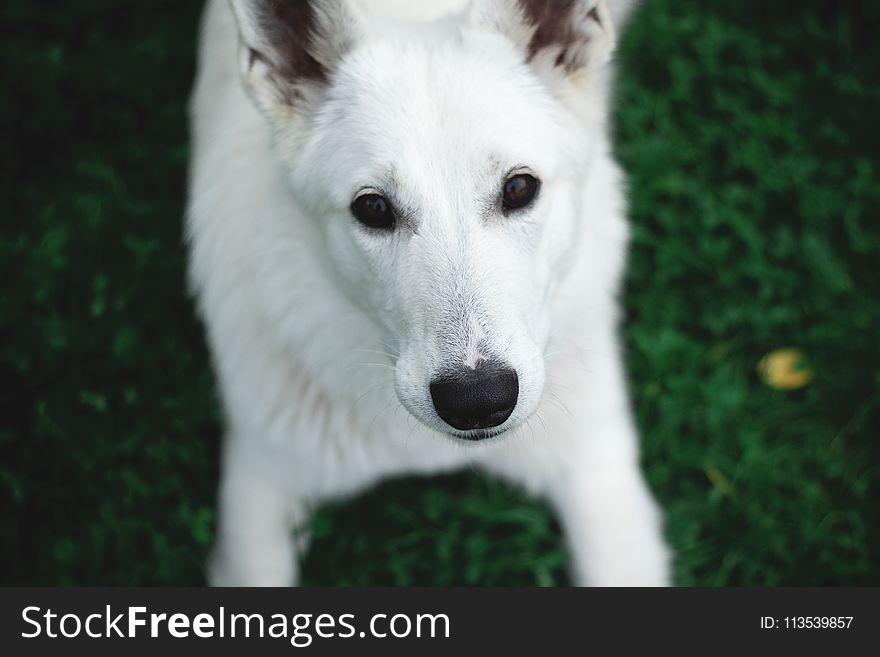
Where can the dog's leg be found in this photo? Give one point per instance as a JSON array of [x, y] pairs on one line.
[[256, 515], [586, 465], [612, 526]]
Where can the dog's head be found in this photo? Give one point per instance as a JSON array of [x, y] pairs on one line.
[[445, 165]]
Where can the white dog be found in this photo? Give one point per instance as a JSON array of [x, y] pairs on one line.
[[413, 205]]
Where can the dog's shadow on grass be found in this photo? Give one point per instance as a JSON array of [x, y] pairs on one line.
[[455, 530]]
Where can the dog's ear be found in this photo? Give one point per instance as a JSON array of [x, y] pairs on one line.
[[563, 40], [289, 49]]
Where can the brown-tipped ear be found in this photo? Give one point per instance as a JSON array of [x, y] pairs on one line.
[[289, 48], [560, 38]]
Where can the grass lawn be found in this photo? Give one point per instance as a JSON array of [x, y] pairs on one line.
[[750, 133]]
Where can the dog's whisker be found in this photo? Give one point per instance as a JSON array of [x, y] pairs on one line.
[[378, 413], [378, 353], [562, 408], [367, 364], [553, 381], [541, 420]]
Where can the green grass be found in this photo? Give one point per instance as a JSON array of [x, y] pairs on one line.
[[749, 130]]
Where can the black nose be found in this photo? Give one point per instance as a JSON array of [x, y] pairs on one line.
[[476, 399]]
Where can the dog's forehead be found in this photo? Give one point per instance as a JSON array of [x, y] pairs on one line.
[[462, 103]]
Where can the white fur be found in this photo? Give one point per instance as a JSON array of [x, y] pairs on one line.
[[320, 330]]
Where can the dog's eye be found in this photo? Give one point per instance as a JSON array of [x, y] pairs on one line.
[[519, 191], [373, 210]]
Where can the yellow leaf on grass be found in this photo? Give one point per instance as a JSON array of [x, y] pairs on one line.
[[785, 369]]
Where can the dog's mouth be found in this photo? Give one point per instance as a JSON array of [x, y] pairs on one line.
[[477, 435]]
